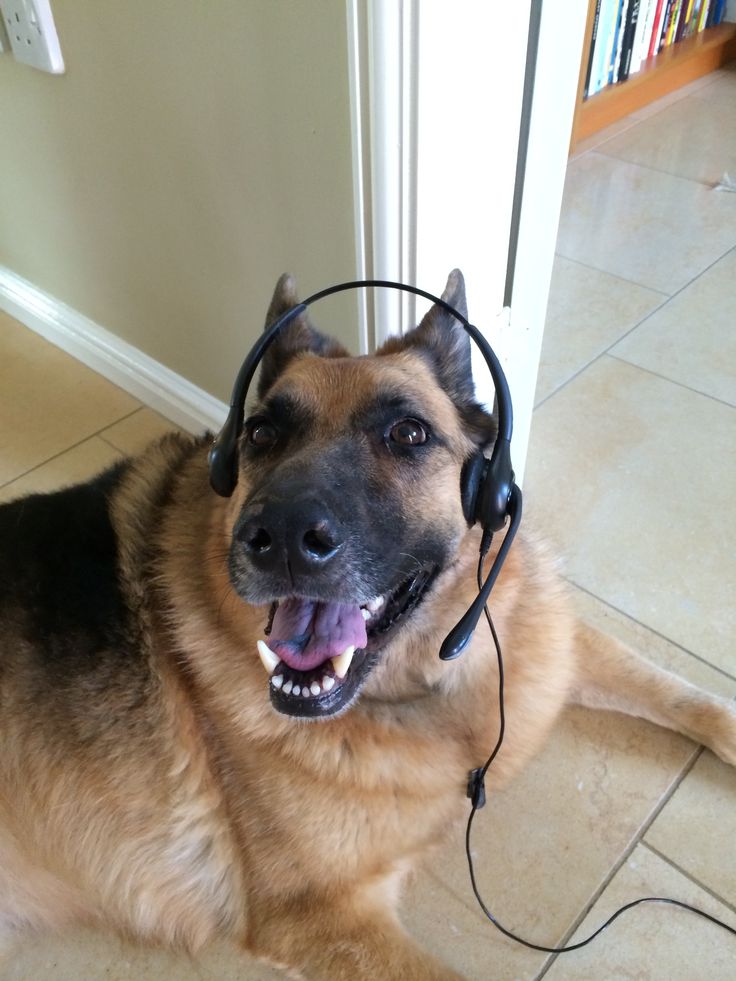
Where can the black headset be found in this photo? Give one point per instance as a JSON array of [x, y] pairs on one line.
[[488, 492]]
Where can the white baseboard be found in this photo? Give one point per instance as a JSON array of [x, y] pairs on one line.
[[148, 380]]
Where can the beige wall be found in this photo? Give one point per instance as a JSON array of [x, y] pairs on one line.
[[193, 151]]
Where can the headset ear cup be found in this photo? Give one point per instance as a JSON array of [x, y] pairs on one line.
[[471, 480], [222, 459], [223, 474]]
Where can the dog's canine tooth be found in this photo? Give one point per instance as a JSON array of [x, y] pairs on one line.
[[277, 680], [267, 656], [328, 682], [366, 613], [341, 664], [375, 604], [315, 688], [287, 687]]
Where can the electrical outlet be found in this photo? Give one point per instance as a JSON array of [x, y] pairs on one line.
[[32, 34]]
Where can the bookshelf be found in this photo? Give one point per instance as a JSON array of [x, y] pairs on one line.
[[669, 70]]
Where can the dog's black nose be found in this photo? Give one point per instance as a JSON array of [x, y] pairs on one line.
[[304, 536]]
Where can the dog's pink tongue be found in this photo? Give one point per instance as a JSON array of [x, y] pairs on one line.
[[305, 633]]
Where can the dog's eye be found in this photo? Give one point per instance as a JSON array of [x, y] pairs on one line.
[[408, 432], [261, 433]]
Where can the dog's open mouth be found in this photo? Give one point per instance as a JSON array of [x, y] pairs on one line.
[[319, 653]]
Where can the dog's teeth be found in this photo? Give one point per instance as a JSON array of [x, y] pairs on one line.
[[287, 687], [375, 604], [328, 682], [277, 680], [341, 664], [366, 613], [315, 688], [267, 656], [296, 690]]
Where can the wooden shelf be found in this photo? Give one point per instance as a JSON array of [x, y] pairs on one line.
[[669, 70]]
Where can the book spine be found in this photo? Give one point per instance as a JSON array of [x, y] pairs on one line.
[[617, 37], [606, 41], [682, 19], [666, 14], [637, 55], [591, 53], [672, 27], [656, 28], [627, 45], [692, 26], [600, 40], [704, 11]]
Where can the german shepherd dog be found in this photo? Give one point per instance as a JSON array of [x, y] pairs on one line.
[[227, 717]]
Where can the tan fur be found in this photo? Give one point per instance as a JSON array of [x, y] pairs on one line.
[[217, 816]]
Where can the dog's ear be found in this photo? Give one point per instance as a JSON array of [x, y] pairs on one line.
[[296, 338], [444, 341]]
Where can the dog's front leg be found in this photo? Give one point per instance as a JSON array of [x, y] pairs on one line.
[[611, 676], [317, 940]]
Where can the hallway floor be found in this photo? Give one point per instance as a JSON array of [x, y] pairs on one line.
[[632, 477]]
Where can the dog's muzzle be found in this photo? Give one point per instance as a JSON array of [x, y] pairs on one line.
[[298, 537]]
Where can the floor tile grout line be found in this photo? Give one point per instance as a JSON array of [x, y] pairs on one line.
[[707, 185], [666, 378], [657, 633], [613, 275], [112, 446], [625, 855], [606, 272], [688, 875], [637, 839], [640, 323], [73, 446], [656, 170], [644, 286], [601, 354]]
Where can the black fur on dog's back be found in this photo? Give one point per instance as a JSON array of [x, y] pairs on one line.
[[58, 565]]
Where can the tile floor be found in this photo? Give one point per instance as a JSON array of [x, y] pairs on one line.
[[631, 474]]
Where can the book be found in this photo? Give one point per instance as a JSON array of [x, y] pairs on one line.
[[704, 10], [604, 40], [672, 26], [664, 25], [656, 29], [615, 56], [593, 36], [627, 44], [692, 27], [683, 18], [641, 42]]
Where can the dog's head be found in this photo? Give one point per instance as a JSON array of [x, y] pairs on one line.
[[349, 478]]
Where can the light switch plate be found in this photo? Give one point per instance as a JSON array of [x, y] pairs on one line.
[[32, 34]]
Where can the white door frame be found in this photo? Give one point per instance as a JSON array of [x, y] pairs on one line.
[[427, 88]]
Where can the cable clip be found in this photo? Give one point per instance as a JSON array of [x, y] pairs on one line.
[[477, 788]]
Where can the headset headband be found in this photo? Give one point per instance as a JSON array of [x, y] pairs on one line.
[[233, 426]]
